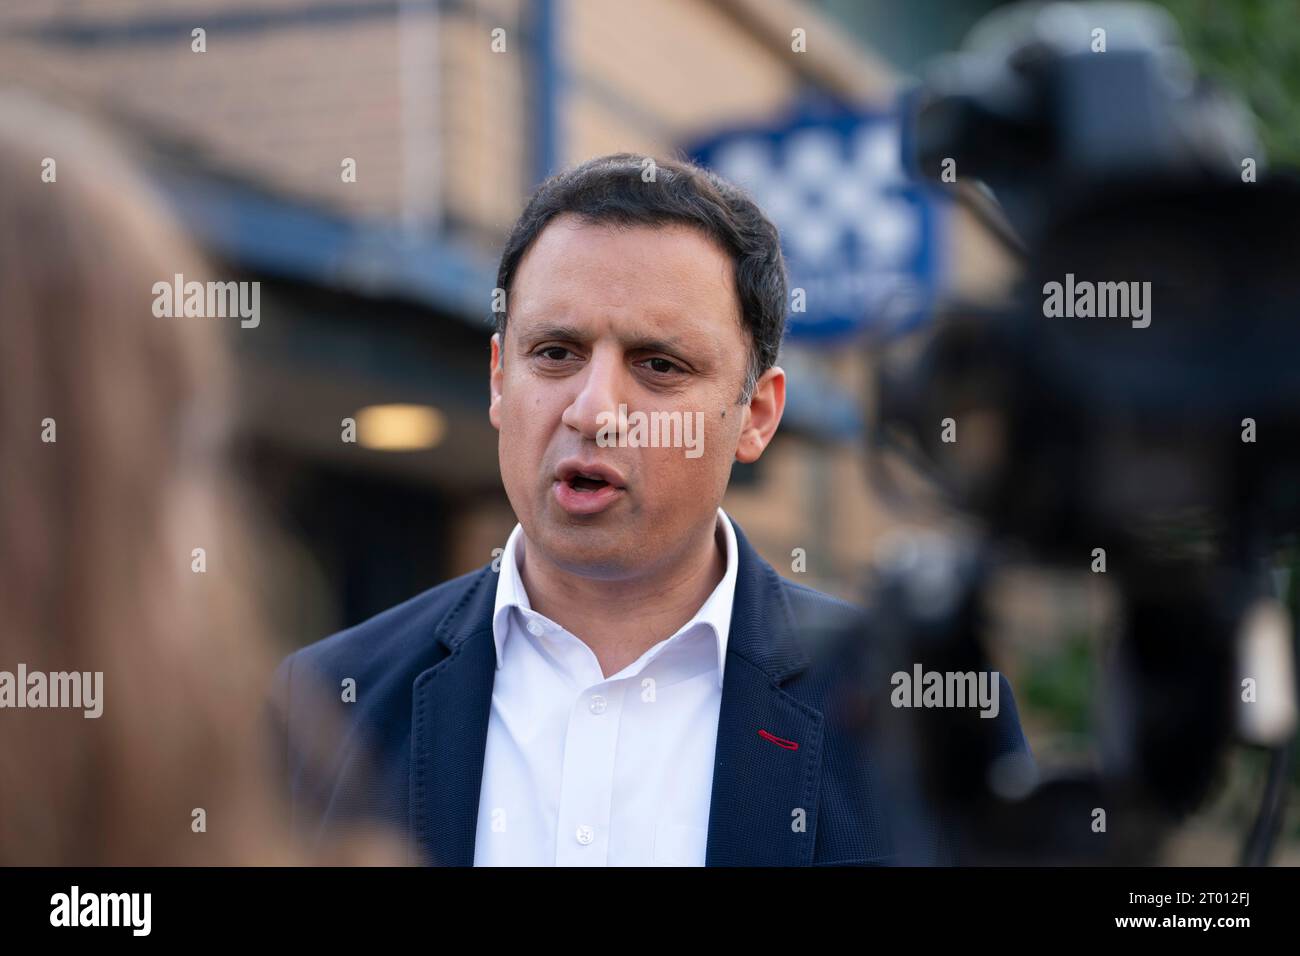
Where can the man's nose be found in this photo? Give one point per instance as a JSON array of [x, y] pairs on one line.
[[599, 391]]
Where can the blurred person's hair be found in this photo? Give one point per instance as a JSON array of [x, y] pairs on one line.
[[98, 526], [615, 190]]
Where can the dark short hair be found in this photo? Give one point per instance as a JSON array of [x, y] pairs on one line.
[[612, 189]]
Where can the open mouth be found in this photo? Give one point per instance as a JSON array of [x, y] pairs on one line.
[[585, 484], [585, 488]]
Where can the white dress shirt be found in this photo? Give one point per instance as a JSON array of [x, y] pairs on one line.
[[587, 770]]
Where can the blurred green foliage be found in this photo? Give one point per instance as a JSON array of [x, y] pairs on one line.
[[1057, 685], [1251, 47]]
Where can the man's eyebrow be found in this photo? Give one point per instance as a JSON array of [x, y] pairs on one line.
[[565, 333], [648, 344], [569, 333]]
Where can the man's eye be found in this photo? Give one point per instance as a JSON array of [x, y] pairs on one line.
[[663, 366], [554, 348]]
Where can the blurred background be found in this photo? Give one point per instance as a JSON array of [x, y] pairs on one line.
[[363, 160]]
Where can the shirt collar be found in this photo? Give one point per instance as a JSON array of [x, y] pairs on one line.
[[715, 612]]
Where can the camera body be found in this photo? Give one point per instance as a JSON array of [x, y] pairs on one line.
[[1136, 397]]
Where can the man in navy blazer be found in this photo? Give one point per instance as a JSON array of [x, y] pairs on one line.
[[414, 756], [629, 683]]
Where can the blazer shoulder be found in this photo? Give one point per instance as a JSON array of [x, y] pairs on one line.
[[392, 634], [822, 623], [813, 608]]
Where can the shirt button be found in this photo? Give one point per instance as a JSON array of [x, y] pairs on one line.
[[535, 628], [598, 704], [585, 834]]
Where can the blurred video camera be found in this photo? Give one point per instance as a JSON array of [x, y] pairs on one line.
[[1131, 412]]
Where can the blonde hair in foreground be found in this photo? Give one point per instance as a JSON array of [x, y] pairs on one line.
[[97, 530]]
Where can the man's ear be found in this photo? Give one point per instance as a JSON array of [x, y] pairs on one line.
[[762, 415], [495, 376]]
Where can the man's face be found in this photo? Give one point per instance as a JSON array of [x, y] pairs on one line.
[[645, 317]]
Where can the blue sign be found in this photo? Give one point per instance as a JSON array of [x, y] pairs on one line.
[[858, 233]]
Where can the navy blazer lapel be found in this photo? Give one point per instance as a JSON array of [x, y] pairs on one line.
[[450, 706], [767, 763]]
